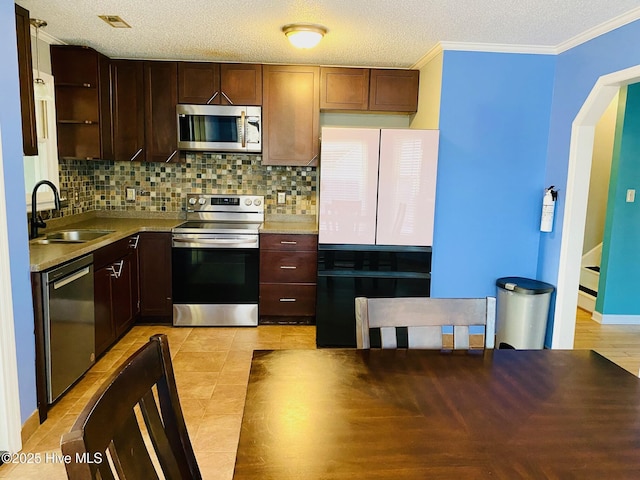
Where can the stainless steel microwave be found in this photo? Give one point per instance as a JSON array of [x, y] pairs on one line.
[[219, 128]]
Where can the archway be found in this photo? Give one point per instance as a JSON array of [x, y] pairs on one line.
[[580, 152]]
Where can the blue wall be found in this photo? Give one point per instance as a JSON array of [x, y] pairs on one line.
[[620, 267], [577, 71], [10, 125], [494, 125]]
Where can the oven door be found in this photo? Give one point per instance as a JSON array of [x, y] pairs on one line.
[[215, 286]]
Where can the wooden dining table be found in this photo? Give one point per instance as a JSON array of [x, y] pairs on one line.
[[418, 414]]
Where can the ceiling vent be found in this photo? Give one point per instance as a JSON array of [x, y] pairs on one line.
[[115, 21]]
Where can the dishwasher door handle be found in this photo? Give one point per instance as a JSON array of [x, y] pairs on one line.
[[71, 278]]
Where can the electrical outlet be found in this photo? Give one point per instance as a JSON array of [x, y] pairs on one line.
[[631, 195], [282, 198], [131, 194], [76, 195]]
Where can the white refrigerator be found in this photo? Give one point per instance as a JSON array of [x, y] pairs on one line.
[[377, 186]]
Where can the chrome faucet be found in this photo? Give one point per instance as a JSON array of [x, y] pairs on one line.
[[36, 220]]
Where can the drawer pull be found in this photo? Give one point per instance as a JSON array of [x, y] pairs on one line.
[[288, 242], [287, 267], [287, 299]]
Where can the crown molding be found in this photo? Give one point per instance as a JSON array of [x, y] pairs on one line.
[[427, 57], [45, 37], [606, 27], [498, 48]]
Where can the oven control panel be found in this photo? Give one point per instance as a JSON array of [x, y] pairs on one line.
[[197, 202]]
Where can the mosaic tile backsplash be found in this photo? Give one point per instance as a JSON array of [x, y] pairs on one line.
[[101, 185]]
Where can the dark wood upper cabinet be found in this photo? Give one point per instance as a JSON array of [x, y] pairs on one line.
[[219, 83], [394, 90], [291, 115], [344, 88], [25, 73], [82, 88], [161, 98], [127, 89]]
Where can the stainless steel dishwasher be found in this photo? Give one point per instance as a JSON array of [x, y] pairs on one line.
[[69, 324]]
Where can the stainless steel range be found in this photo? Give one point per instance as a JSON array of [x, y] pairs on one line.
[[215, 261]]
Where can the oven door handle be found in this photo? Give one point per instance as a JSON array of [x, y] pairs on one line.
[[205, 242]]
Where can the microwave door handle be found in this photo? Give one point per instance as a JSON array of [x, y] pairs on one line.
[[243, 122]]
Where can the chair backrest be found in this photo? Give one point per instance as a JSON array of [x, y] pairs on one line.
[[424, 318], [109, 437]]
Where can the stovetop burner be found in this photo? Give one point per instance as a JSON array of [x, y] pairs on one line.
[[217, 227]]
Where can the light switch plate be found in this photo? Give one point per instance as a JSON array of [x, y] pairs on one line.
[[282, 198], [131, 194], [631, 195]]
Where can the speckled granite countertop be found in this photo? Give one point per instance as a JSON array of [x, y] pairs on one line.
[[123, 224], [43, 257], [292, 224]]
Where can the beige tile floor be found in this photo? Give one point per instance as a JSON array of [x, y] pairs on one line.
[[212, 369]]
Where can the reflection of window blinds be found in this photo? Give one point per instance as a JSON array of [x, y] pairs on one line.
[[344, 171], [407, 177]]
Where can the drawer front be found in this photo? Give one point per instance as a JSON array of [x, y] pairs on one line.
[[285, 300], [278, 241], [111, 253], [288, 267]]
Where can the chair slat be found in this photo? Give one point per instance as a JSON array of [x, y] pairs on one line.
[[388, 337], [425, 337], [158, 436], [129, 452], [460, 337]]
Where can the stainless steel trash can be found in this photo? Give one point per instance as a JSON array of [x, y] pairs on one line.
[[522, 311]]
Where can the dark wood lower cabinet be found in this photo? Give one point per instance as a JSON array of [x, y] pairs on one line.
[[115, 284], [154, 262]]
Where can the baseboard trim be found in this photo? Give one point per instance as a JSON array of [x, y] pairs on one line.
[[29, 427], [608, 319]]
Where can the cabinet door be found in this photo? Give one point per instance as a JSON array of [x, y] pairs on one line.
[[104, 330], [25, 74], [121, 295], [348, 185], [134, 241], [344, 88], [394, 90], [154, 262], [128, 110], [240, 84], [291, 115], [161, 98], [199, 83], [407, 188]]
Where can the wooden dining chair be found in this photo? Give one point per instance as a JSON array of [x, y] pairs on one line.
[[424, 319], [109, 438]]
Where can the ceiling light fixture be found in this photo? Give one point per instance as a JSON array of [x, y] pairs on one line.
[[304, 35], [115, 21], [38, 82]]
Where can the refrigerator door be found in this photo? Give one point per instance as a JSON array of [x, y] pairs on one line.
[[348, 185], [407, 187]]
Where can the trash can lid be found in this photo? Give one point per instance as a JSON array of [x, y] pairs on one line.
[[523, 285]]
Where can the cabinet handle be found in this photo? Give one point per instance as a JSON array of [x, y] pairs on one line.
[[287, 267], [288, 300], [88, 122], [227, 98], [288, 242], [137, 153], [117, 273], [212, 97], [311, 161], [133, 241], [171, 156]]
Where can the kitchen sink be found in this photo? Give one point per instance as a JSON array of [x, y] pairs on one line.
[[71, 236]]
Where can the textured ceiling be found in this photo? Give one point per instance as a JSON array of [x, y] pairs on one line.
[[385, 33]]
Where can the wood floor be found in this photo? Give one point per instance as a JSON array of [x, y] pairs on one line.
[[212, 370]]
